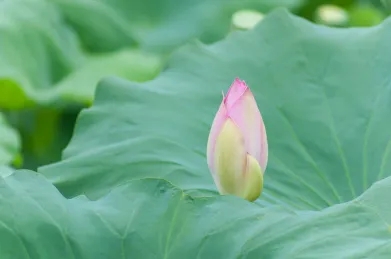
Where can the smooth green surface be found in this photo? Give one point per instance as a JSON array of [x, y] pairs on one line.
[[9, 143], [323, 94], [150, 218], [134, 65], [106, 25], [41, 62], [6, 171]]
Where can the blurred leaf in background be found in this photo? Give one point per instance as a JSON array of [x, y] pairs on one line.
[[36, 50], [365, 15], [10, 144], [386, 4], [44, 133], [127, 63], [344, 13], [155, 25], [44, 75], [39, 51]]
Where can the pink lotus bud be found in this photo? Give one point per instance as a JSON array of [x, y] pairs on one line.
[[237, 149]]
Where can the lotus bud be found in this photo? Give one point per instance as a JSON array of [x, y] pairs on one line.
[[237, 149]]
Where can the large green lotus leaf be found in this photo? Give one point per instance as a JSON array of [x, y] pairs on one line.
[[9, 143], [40, 60], [150, 218], [323, 92], [105, 25]]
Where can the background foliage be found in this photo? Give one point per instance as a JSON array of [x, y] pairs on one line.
[[133, 180]]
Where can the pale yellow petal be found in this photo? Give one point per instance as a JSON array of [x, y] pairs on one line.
[[253, 183], [230, 159]]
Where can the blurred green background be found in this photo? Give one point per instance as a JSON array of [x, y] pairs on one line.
[[54, 52]]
